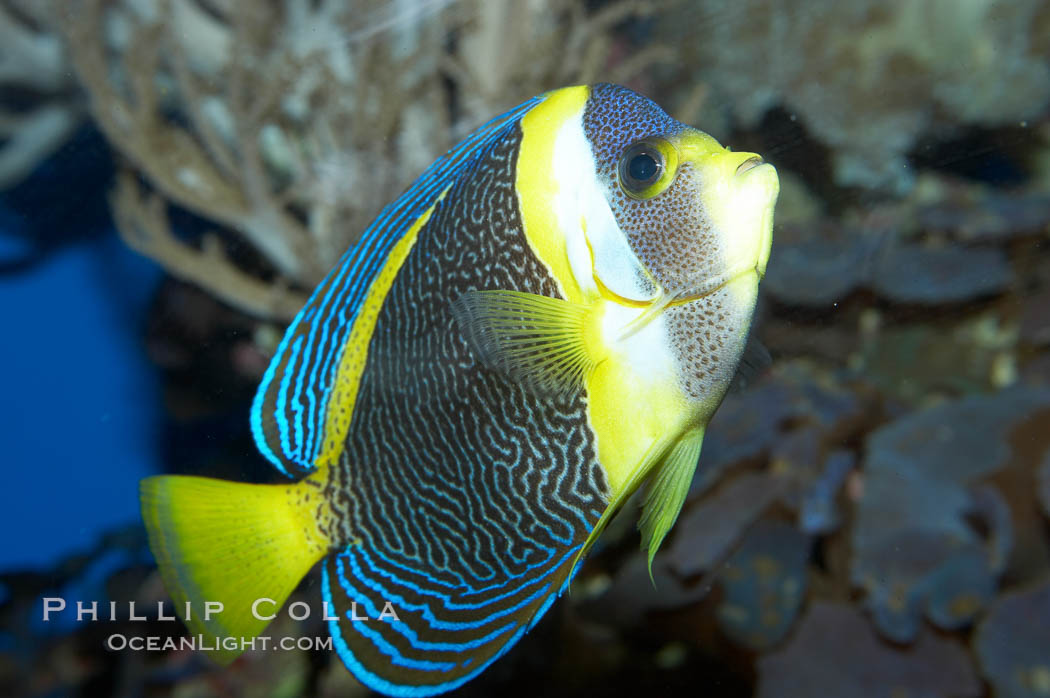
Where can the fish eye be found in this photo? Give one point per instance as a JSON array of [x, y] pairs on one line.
[[644, 168], [640, 166]]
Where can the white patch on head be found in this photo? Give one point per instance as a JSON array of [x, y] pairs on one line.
[[647, 351], [573, 163], [595, 244]]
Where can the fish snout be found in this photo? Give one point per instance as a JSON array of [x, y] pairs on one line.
[[742, 210], [749, 164]]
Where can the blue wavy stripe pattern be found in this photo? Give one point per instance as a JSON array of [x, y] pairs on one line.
[[440, 641], [288, 412]]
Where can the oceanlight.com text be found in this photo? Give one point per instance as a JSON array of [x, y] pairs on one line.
[[118, 642]]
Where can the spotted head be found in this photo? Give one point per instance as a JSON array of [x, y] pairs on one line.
[[697, 217], [662, 235], [657, 219], [693, 212]]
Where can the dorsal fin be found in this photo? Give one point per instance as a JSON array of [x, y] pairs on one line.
[[288, 414]]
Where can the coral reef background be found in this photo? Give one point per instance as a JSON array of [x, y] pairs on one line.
[[871, 516]]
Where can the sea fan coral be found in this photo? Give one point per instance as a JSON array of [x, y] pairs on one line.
[[40, 105], [292, 123]]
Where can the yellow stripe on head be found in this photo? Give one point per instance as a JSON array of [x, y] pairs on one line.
[[542, 184], [633, 400]]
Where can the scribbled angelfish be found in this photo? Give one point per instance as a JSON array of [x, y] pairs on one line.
[[545, 320]]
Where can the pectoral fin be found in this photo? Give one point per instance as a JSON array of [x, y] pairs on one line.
[[537, 341], [755, 361], [666, 492]]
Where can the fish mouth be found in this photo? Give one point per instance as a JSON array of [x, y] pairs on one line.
[[688, 294], [749, 164], [715, 283]]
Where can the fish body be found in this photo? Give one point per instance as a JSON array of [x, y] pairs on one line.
[[545, 320]]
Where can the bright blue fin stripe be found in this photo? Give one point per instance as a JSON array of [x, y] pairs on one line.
[[355, 567], [376, 638], [427, 609], [403, 628], [461, 592], [323, 325], [378, 683]]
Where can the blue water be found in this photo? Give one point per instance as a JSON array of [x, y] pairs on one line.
[[81, 405]]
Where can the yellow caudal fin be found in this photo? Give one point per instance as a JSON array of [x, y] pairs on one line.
[[231, 543]]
